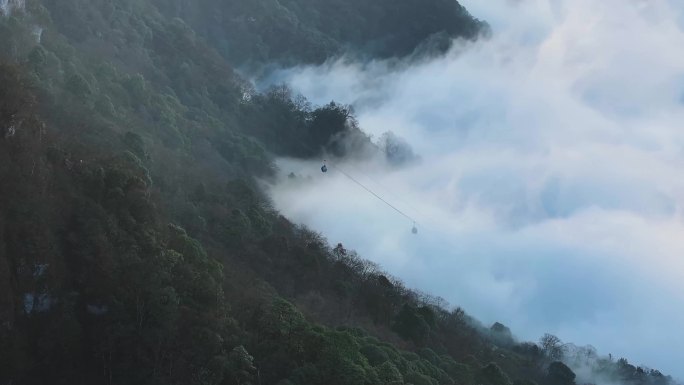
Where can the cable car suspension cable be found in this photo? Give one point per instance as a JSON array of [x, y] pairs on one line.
[[372, 192]]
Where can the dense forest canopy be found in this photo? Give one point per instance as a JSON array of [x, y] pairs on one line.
[[135, 245], [309, 31]]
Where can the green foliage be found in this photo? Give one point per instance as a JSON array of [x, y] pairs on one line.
[[14, 99], [501, 335], [282, 320], [241, 365], [491, 374], [429, 355], [78, 85], [411, 324], [291, 31], [389, 374], [460, 373], [524, 382], [38, 57], [136, 144], [419, 379], [560, 374], [374, 354]]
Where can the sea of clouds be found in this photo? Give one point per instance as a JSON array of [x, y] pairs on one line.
[[550, 190]]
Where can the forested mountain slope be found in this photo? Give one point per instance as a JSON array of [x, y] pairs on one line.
[[135, 247], [297, 31]]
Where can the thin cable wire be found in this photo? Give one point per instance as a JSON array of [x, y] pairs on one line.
[[372, 192], [301, 142], [387, 191]]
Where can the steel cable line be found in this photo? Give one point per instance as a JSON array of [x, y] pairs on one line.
[[387, 191], [347, 175], [372, 192]]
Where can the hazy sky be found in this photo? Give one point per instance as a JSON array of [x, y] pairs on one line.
[[550, 194]]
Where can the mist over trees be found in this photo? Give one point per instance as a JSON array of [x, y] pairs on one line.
[[135, 244]]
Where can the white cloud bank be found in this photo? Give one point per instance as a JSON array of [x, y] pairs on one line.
[[551, 189]]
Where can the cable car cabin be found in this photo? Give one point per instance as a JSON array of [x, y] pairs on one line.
[[414, 230], [324, 168]]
